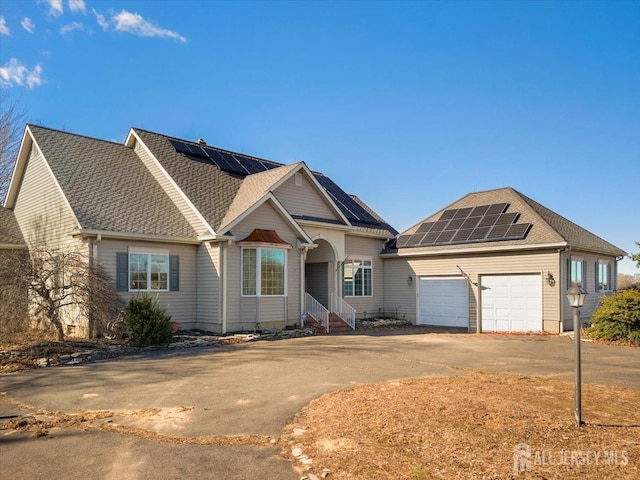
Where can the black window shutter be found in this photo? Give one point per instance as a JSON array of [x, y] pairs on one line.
[[174, 273], [584, 274], [569, 272], [122, 271], [597, 277]]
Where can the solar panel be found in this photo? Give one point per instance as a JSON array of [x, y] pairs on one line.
[[482, 223], [497, 208], [180, 147], [479, 234], [498, 231], [249, 164], [416, 238], [425, 227], [488, 220], [349, 207], [439, 226], [462, 235], [447, 214], [455, 223], [463, 212], [507, 218], [196, 151], [403, 240], [519, 230], [430, 237], [479, 211], [471, 222]]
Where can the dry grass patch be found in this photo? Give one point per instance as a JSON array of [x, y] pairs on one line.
[[468, 427]]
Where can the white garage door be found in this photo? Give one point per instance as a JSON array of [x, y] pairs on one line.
[[444, 301], [511, 303]]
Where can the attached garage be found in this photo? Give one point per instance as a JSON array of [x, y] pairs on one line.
[[511, 303], [443, 302]]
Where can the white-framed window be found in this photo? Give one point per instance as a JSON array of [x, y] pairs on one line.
[[603, 276], [264, 272], [148, 272], [357, 278], [576, 272]]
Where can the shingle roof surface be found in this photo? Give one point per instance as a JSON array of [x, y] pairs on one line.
[[548, 226], [218, 195], [108, 186], [10, 233], [211, 190]]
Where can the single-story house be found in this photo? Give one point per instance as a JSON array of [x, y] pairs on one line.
[[496, 261], [230, 242], [227, 242]]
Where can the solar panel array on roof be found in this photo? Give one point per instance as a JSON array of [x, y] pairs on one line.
[[484, 223], [226, 161], [243, 165], [349, 207]]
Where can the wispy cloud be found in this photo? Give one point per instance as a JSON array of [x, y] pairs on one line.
[[28, 25], [102, 21], [77, 6], [135, 24], [4, 30], [14, 73], [55, 7], [71, 27]]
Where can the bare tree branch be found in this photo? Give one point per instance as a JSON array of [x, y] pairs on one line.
[[12, 121]]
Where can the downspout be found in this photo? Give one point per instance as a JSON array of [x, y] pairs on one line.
[[303, 257], [560, 283], [224, 287]]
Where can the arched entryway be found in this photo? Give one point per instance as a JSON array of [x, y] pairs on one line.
[[319, 272]]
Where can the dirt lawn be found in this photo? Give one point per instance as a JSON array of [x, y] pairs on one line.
[[468, 427]]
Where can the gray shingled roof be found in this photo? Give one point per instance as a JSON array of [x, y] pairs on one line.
[[548, 226], [213, 191], [10, 233], [108, 186]]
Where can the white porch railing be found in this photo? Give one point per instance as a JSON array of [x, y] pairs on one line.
[[314, 308], [343, 310]]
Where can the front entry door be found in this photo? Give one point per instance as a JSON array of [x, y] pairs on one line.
[[317, 281]]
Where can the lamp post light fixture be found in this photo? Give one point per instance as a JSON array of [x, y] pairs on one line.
[[576, 295]]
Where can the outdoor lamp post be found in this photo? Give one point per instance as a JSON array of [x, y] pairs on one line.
[[576, 296]]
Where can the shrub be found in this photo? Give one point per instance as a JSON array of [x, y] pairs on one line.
[[148, 323], [617, 318]]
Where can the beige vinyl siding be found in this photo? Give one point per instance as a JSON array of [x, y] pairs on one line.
[[303, 199], [208, 291], [271, 312], [42, 212], [182, 305], [170, 188], [592, 300], [366, 248], [403, 298]]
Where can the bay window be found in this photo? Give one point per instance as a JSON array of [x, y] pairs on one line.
[[264, 271]]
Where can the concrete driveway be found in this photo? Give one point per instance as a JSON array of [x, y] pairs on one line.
[[193, 400]]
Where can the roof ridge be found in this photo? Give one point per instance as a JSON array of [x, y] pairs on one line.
[[56, 130], [213, 147], [534, 205]]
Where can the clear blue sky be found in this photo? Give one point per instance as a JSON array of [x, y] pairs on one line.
[[409, 105]]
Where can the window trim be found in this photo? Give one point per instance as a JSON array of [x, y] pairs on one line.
[[258, 267], [609, 276], [369, 267], [148, 252], [583, 271]]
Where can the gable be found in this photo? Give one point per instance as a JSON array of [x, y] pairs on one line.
[[266, 217], [301, 199], [40, 208]]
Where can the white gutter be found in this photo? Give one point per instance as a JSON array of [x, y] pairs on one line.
[[451, 251], [133, 236]]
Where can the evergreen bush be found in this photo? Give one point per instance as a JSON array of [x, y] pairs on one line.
[[149, 324], [617, 318]]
